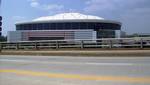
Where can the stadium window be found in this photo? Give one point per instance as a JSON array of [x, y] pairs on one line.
[[45, 26], [83, 26], [39, 26], [53, 26], [30, 27], [90, 25], [25, 27], [67, 26], [75, 25], [34, 26], [59, 26], [17, 27]]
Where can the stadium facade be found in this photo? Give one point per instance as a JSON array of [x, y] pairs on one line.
[[65, 26]]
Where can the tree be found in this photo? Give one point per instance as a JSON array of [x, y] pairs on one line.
[[3, 38]]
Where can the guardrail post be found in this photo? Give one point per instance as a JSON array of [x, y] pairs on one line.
[[82, 44], [0, 47], [141, 43], [110, 44], [36, 47], [17, 46], [57, 45]]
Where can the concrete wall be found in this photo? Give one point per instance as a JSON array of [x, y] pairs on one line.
[[14, 36], [83, 34]]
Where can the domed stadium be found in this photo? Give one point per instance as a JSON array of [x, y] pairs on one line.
[[65, 26]]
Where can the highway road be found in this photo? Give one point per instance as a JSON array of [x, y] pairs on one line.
[[60, 70]]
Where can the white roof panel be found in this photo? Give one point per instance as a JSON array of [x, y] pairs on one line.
[[68, 16]]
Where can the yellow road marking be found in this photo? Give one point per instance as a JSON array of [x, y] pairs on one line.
[[79, 77]]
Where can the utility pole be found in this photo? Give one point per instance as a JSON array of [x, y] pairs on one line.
[[0, 20], [0, 26]]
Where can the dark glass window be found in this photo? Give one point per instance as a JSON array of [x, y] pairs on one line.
[[34, 26], [22, 28], [91, 25], [53, 26], [67, 26], [45, 26], [29, 27], [18, 27], [49, 26], [106, 34], [75, 26], [83, 26], [98, 25], [59, 26], [46, 38], [39, 27], [25, 27]]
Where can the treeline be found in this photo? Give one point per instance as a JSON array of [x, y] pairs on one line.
[[3, 38]]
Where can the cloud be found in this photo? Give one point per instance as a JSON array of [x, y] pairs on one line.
[[45, 7], [52, 7], [34, 4], [32, 0]]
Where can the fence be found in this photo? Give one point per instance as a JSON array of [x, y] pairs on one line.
[[98, 43]]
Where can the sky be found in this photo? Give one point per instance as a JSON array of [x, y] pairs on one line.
[[133, 14]]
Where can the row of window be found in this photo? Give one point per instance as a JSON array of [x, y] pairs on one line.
[[63, 26], [106, 34]]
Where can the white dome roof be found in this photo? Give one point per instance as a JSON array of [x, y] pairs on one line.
[[68, 16]]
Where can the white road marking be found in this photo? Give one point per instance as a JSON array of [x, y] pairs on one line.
[[72, 57], [71, 63]]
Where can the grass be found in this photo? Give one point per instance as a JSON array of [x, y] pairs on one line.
[[77, 52]]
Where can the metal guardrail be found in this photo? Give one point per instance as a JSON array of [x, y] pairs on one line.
[[86, 43]]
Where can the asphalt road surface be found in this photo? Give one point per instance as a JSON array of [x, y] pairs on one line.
[[59, 70]]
